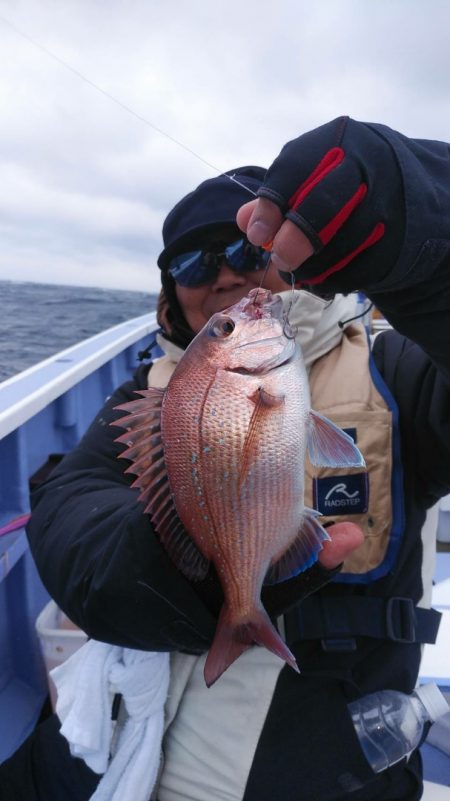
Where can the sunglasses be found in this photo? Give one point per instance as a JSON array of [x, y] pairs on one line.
[[202, 266]]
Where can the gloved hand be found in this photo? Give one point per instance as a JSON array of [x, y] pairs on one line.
[[278, 598], [345, 537], [336, 207]]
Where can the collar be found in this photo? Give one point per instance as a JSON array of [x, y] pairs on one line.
[[315, 321]]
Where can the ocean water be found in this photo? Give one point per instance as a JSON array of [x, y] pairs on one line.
[[38, 320]]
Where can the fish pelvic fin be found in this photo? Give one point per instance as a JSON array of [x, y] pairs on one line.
[[330, 446], [145, 450], [302, 553], [265, 405], [232, 639]]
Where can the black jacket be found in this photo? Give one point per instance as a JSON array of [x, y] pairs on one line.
[[100, 559]]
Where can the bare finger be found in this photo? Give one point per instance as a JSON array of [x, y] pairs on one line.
[[345, 538], [290, 247], [263, 224], [260, 219]]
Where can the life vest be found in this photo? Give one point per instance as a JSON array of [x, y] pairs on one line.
[[346, 387]]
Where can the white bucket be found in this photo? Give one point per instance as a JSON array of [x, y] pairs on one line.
[[59, 639]]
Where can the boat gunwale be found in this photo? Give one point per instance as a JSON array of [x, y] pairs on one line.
[[24, 395]]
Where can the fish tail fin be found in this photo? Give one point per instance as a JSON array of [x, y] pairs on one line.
[[232, 639]]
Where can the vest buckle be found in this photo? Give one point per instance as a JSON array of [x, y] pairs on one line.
[[400, 620]]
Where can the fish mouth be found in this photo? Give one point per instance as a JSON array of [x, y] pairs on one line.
[[259, 370], [271, 363], [289, 346]]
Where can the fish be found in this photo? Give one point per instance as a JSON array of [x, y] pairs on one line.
[[219, 457]]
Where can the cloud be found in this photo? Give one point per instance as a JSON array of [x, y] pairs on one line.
[[85, 184]]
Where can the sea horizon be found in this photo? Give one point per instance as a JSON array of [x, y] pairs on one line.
[[40, 319]]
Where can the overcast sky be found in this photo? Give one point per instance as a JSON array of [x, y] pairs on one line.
[[85, 185]]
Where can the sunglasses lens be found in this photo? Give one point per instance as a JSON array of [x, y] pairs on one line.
[[235, 255], [190, 269], [199, 267], [245, 257]]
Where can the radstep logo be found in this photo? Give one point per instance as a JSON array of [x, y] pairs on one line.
[[342, 490], [341, 495]]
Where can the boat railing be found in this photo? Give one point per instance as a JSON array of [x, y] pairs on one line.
[[44, 411]]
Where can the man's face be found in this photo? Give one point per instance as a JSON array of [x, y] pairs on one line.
[[199, 303]]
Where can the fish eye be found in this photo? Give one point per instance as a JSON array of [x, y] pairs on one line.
[[222, 327]]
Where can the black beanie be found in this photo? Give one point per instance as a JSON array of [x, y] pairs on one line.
[[213, 204]]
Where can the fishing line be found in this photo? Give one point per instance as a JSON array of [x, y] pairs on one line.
[[287, 326], [266, 270], [119, 103], [287, 330], [292, 284], [162, 598]]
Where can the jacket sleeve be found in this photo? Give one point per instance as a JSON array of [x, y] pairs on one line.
[[414, 296], [375, 206], [98, 555], [414, 292], [422, 395]]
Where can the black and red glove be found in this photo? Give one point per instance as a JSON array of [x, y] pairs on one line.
[[342, 186]]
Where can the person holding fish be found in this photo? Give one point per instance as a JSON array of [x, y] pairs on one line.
[[271, 529]]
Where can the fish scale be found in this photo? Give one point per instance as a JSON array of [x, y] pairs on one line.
[[232, 512]]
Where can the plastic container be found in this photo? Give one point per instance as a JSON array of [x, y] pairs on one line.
[[59, 638], [390, 724]]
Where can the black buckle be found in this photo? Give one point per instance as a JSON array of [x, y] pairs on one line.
[[400, 620]]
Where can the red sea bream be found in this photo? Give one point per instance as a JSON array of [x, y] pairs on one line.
[[219, 457]]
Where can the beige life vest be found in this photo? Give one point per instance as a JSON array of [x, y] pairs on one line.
[[342, 389]]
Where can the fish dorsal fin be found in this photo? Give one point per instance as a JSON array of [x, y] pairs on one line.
[[146, 452], [302, 553], [329, 446], [265, 403]]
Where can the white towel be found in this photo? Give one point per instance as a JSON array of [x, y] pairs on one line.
[[86, 684]]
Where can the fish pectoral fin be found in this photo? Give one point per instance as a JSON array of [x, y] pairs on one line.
[[146, 452], [265, 399], [302, 553], [265, 404], [329, 446]]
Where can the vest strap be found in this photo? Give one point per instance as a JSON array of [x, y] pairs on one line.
[[337, 621]]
